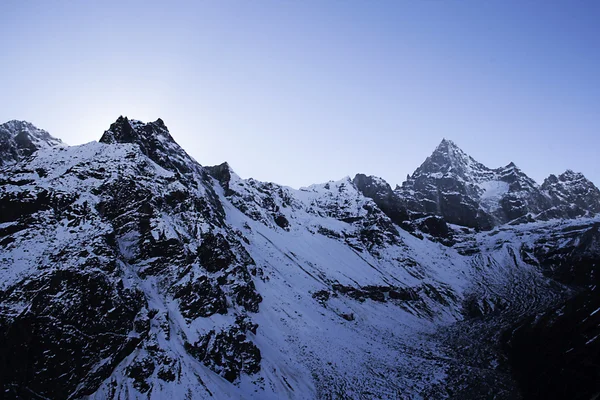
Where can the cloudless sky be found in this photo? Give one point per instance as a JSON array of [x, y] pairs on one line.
[[305, 91]]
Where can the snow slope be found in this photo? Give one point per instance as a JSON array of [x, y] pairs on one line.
[[167, 279]]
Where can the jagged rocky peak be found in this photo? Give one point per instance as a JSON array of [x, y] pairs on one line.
[[222, 173], [515, 177], [449, 158], [124, 130], [567, 178], [574, 190], [19, 139], [154, 140], [453, 185], [372, 185], [447, 184]]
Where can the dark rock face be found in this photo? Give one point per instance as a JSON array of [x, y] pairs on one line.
[[20, 139], [222, 173], [383, 195], [229, 353], [375, 293], [215, 253], [154, 140], [575, 261], [555, 355], [412, 299], [75, 329], [281, 221], [201, 298], [396, 209]]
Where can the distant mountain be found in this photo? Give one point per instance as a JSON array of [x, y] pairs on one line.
[[20, 139], [571, 195], [129, 270], [452, 185]]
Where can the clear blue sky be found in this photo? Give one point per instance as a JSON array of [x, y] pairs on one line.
[[304, 91]]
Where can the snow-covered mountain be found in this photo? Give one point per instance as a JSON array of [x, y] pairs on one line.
[[571, 195], [452, 185], [20, 139], [128, 270]]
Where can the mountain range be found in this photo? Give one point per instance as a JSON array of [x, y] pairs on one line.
[[128, 270]]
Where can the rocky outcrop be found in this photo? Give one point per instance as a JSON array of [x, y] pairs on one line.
[[383, 195], [153, 139], [74, 329]]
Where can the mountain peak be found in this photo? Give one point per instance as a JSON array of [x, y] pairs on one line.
[[570, 175], [17, 124], [154, 140], [573, 189], [447, 142], [124, 130], [449, 158], [16, 127], [448, 146], [450, 150], [19, 139]]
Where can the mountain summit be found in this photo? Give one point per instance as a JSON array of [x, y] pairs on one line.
[[20, 139], [154, 140], [453, 185], [448, 158]]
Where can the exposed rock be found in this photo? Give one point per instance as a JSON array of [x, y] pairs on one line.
[[20, 139], [200, 298], [383, 195], [76, 327], [228, 353]]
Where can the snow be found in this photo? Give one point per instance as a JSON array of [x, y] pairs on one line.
[[307, 347], [493, 189], [492, 192]]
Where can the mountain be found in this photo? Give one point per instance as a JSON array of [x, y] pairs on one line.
[[129, 270], [20, 139], [452, 185], [571, 195], [465, 192]]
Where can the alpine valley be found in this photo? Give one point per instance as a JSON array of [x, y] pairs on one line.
[[130, 271]]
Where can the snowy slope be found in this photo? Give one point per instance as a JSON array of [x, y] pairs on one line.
[[140, 273]]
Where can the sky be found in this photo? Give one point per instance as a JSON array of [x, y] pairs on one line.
[[306, 91]]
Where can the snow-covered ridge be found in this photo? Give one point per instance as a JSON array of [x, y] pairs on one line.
[[168, 279]]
